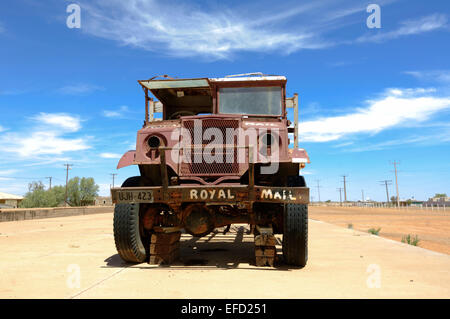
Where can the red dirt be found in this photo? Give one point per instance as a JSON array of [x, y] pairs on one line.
[[432, 227]]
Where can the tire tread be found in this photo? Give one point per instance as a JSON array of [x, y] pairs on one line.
[[126, 233]]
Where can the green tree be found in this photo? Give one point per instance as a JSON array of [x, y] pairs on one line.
[[58, 193], [81, 191], [440, 195], [36, 196]]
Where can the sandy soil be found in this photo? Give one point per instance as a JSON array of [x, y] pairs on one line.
[[75, 257], [432, 227]]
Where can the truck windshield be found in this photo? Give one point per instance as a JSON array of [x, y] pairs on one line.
[[250, 100]]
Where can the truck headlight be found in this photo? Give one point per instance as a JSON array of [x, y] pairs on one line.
[[154, 141]]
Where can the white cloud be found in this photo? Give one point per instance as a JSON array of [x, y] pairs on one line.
[[217, 31], [410, 27], [442, 76], [397, 107], [39, 143], [116, 113], [110, 155], [190, 30], [79, 89], [428, 139], [61, 120], [8, 172], [46, 137]]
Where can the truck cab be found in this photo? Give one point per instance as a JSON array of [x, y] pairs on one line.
[[213, 152]]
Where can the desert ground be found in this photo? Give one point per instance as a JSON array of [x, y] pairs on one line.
[[75, 257], [431, 226]]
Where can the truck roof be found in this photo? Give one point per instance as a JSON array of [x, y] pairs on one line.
[[170, 83]]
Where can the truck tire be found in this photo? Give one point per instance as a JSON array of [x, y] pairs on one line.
[[295, 236], [129, 243], [136, 181]]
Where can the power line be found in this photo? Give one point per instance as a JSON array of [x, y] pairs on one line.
[[113, 175], [318, 189], [386, 183], [396, 182], [340, 194], [345, 188], [50, 182], [28, 178], [67, 179]]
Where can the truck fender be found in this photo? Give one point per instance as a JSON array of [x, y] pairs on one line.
[[127, 159], [300, 156]]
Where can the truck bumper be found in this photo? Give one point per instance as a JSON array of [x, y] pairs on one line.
[[214, 194]]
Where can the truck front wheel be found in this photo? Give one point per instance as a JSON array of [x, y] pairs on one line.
[[127, 235], [295, 234]]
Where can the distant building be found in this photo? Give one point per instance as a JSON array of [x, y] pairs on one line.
[[438, 202], [9, 200], [103, 201], [416, 203]]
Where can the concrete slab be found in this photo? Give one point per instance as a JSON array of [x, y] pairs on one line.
[[75, 257]]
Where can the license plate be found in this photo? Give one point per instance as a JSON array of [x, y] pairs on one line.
[[134, 196]]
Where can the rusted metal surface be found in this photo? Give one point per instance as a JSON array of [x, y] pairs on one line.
[[230, 184], [198, 220], [210, 194], [146, 107], [164, 177], [222, 166], [127, 159], [149, 217]]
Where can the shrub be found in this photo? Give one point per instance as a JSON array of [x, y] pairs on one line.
[[411, 240], [350, 226], [374, 231]]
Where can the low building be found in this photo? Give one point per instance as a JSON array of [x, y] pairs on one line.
[[438, 202], [9, 200], [103, 201]]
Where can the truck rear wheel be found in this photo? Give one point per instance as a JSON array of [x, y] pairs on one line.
[[295, 235], [127, 234]]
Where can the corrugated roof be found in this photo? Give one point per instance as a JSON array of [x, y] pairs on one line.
[[9, 196]]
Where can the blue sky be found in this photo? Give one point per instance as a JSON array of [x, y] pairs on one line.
[[368, 96]]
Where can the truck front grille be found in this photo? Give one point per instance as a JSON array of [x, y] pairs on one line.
[[223, 161]]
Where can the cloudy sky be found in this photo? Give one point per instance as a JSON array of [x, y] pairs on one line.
[[368, 96]]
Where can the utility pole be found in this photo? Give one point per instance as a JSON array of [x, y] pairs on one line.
[[386, 183], [396, 182], [67, 180], [113, 174], [362, 192], [345, 189], [318, 189], [340, 194], [50, 182]]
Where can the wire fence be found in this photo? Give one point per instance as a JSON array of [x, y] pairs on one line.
[[425, 206]]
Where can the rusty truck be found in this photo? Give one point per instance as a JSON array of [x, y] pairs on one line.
[[214, 152]]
